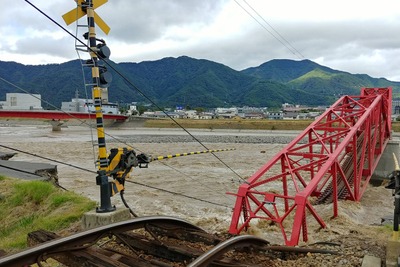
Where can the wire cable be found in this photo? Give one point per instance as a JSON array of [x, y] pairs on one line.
[[150, 100], [138, 90], [80, 168], [282, 40], [266, 22], [19, 170], [114, 138], [90, 171], [67, 113], [178, 194], [49, 159]]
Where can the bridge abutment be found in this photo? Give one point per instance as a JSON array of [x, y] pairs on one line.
[[386, 163]]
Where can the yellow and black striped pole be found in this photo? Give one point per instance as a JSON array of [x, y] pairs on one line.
[[86, 7], [189, 153], [102, 178]]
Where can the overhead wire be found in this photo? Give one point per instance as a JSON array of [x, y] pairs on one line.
[[179, 194], [18, 170], [145, 96], [66, 112], [90, 171], [93, 172], [274, 32], [138, 90], [84, 122], [49, 159]]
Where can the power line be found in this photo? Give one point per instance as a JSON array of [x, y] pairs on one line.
[[266, 22], [179, 194], [130, 83], [84, 122], [137, 89], [84, 169], [274, 32]]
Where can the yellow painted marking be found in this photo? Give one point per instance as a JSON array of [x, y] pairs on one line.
[[396, 163], [95, 72], [395, 236]]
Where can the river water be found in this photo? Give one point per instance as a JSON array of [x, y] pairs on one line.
[[191, 187]]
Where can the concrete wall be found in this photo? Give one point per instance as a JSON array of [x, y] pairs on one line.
[[386, 164]]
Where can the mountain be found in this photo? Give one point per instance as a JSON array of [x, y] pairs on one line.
[[284, 70], [308, 76], [186, 81]]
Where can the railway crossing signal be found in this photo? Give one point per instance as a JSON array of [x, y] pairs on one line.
[[81, 10], [96, 50]]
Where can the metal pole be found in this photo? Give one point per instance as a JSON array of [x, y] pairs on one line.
[[102, 178]]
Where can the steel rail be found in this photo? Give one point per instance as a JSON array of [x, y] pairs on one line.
[[235, 242], [31, 255], [245, 241]]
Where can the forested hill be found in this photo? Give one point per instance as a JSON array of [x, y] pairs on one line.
[[186, 81]]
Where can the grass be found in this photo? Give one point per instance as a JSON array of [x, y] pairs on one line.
[[26, 206], [396, 126], [240, 124], [231, 124]]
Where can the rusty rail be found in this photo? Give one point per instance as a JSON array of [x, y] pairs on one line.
[[158, 241], [30, 256]]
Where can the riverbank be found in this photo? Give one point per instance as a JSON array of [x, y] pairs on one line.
[[213, 124]]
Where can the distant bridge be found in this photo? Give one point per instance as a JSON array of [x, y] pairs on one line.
[[57, 115]]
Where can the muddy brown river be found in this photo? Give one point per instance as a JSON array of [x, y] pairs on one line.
[[191, 187]]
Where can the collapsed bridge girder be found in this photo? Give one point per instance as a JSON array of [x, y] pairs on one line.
[[333, 158]]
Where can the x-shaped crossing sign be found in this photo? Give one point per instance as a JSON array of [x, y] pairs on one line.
[[79, 12]]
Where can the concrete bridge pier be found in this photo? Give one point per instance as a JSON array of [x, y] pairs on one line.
[[56, 125], [386, 164]]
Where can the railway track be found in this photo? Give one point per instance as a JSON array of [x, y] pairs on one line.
[[348, 168], [150, 241]]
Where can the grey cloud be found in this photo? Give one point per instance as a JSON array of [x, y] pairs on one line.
[[142, 21], [346, 45], [63, 48]]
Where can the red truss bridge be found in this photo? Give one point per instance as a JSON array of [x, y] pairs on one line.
[[56, 115], [334, 158]]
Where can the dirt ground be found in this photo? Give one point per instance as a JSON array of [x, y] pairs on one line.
[[195, 178]]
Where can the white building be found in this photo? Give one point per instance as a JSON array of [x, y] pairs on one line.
[[86, 105], [226, 112], [20, 101], [132, 110], [76, 105], [278, 115]]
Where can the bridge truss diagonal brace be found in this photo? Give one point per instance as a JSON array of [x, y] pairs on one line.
[[332, 159]]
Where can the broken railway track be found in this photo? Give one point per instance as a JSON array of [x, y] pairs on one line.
[[149, 241]]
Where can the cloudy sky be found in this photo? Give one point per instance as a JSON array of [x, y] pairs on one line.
[[354, 36]]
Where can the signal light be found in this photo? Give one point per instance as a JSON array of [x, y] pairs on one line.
[[105, 76], [103, 51]]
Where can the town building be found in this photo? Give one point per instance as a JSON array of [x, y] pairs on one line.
[[86, 105], [21, 101]]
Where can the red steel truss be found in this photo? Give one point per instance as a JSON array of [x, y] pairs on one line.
[[332, 159]]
